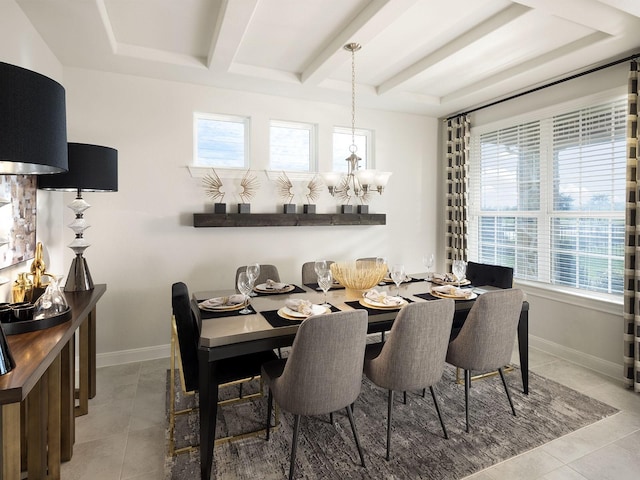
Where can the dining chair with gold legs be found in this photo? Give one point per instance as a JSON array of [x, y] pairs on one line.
[[486, 339], [322, 374], [185, 337], [414, 355]]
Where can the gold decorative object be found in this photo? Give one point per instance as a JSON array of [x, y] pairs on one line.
[[38, 267], [285, 188], [360, 275], [212, 186], [250, 185], [22, 288]]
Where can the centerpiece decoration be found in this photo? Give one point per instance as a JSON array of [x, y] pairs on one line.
[[359, 275]]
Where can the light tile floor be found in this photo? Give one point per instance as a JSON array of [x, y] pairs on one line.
[[123, 436]]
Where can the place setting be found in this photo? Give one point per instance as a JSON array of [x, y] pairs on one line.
[[449, 285], [271, 287], [295, 311], [225, 306]]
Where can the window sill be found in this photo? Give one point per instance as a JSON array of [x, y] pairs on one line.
[[611, 304]]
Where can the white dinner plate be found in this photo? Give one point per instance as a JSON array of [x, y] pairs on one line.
[[372, 304], [263, 288], [442, 282], [436, 293], [219, 308], [286, 312]]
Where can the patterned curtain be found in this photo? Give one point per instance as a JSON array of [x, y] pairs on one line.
[[631, 267], [457, 153]]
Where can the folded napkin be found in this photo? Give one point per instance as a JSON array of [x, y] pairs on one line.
[[299, 305], [223, 301], [453, 290], [272, 284], [382, 297], [444, 277]]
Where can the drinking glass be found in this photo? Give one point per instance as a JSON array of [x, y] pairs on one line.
[[397, 275], [428, 261], [459, 269], [320, 266], [244, 286], [381, 261], [325, 279], [253, 271]]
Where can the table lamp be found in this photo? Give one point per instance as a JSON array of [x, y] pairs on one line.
[[33, 124], [92, 168]]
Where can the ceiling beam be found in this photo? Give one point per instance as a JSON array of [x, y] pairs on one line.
[[481, 30], [526, 67], [372, 20], [232, 21]]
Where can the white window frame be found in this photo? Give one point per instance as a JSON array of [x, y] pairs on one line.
[[312, 129], [545, 213], [245, 121]]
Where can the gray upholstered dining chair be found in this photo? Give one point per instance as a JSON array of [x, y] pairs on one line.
[[414, 356], [267, 272], [323, 372], [185, 337], [486, 340], [309, 272]]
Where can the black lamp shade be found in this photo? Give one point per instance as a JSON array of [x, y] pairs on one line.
[[92, 168], [33, 123]]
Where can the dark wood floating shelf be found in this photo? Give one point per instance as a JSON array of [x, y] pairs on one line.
[[286, 219]]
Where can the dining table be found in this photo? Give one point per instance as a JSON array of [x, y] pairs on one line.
[[228, 334]]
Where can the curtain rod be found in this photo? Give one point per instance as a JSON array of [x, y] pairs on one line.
[[541, 87]]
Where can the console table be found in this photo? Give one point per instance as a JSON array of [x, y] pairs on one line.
[[43, 383]]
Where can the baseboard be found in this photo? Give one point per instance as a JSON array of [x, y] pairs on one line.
[[591, 362], [131, 356]]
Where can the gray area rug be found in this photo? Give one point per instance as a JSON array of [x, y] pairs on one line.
[[419, 451]]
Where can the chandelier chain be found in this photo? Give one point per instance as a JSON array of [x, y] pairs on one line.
[[353, 98]]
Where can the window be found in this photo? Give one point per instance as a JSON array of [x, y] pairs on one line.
[[221, 141], [363, 140], [547, 198], [292, 146]]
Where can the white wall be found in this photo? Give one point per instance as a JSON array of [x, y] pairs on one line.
[[142, 236], [583, 329], [21, 45]]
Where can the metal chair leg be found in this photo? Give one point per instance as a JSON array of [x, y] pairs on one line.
[[424, 392], [331, 418], [467, 385], [294, 445], [355, 434], [404, 400], [435, 402], [389, 409], [506, 389]]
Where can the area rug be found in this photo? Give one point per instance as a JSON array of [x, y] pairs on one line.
[[419, 450]]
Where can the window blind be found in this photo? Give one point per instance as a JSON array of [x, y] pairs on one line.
[[547, 198]]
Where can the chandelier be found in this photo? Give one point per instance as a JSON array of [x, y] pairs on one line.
[[358, 183]]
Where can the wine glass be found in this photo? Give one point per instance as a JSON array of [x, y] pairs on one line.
[[397, 275], [428, 261], [459, 269], [325, 279], [320, 266], [244, 286], [253, 271]]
